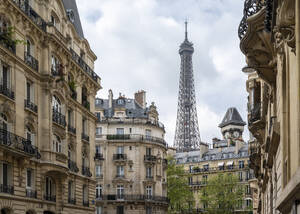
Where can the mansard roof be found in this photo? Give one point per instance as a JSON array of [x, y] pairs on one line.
[[232, 117]]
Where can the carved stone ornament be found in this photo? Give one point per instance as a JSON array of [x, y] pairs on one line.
[[6, 109]]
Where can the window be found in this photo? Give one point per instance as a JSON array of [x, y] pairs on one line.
[[241, 176], [130, 130], [98, 191], [148, 133], [84, 126], [98, 149], [248, 202], [71, 190], [54, 20], [120, 209], [29, 48], [29, 179], [149, 172], [190, 180], [148, 151], [55, 65], [98, 114], [98, 130], [120, 150], [56, 104], [241, 164], [120, 131], [149, 191], [49, 187], [70, 117], [4, 24], [191, 168], [148, 210], [57, 145], [98, 210], [5, 77], [204, 178], [248, 190], [6, 174], [30, 136], [120, 192], [85, 193], [120, 171], [98, 170], [29, 92], [120, 101], [206, 167]]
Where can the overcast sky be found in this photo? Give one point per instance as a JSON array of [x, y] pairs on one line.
[[137, 43]]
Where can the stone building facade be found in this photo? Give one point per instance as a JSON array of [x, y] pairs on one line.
[[130, 157], [227, 155], [47, 121], [269, 33]]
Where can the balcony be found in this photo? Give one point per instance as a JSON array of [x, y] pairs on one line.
[[86, 171], [71, 200], [50, 198], [85, 203], [149, 158], [31, 14], [119, 157], [79, 61], [149, 177], [99, 176], [4, 90], [120, 176], [7, 42], [71, 129], [136, 138], [18, 144], [215, 169], [58, 118], [254, 114], [31, 106], [98, 156], [30, 193], [124, 197], [198, 183], [4, 188], [85, 137], [72, 166], [31, 61]]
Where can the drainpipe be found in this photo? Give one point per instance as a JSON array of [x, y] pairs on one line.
[[297, 35]]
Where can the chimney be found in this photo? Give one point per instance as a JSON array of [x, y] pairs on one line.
[[140, 98], [110, 98]]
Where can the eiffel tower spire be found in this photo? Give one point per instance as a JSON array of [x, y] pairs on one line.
[[187, 135]]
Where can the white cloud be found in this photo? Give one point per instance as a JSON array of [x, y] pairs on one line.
[[137, 44]]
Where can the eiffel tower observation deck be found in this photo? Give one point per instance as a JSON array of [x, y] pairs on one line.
[[187, 135]]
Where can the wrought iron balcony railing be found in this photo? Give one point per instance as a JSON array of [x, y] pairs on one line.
[[254, 114], [149, 158], [31, 61], [99, 176], [4, 188], [4, 90], [119, 157], [30, 13], [18, 143], [83, 65], [50, 198], [7, 42], [58, 118], [31, 106], [149, 177], [85, 137], [71, 129], [30, 193], [213, 169], [98, 156], [251, 7], [85, 203], [71, 200], [86, 171], [72, 166], [120, 176], [125, 197]]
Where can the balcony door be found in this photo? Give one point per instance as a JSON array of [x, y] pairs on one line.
[[120, 209], [5, 79]]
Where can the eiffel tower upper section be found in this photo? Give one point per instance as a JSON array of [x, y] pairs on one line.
[[187, 135]]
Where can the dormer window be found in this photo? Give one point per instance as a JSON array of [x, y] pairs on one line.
[[70, 14], [120, 101]]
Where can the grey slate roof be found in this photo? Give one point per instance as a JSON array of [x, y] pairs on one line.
[[71, 5], [133, 109], [232, 117]]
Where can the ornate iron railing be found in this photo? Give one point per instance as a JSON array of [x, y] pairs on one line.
[[58, 118], [7, 92], [119, 157], [86, 171], [71, 129], [7, 42], [31, 61], [251, 7], [149, 158], [18, 143], [27, 9], [50, 198], [83, 65], [98, 156], [219, 168], [255, 113], [4, 188], [31, 106], [71, 200], [134, 198], [72, 166], [85, 137], [120, 176], [31, 193]]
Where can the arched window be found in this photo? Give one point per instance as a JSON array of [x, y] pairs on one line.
[[54, 20], [56, 66], [56, 104], [29, 49], [50, 191], [57, 144]]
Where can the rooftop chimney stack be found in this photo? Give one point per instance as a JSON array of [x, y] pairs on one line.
[[140, 98], [110, 98]]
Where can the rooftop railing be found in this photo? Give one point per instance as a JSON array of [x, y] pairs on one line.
[[134, 198], [129, 120]]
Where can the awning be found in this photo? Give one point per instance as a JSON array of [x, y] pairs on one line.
[[221, 164], [229, 163]]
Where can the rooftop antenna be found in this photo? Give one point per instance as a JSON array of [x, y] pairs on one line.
[[186, 33]]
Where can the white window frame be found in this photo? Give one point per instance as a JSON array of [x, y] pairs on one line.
[[98, 130], [98, 170], [99, 191], [120, 171], [98, 210], [149, 171], [57, 144], [120, 131], [32, 176], [120, 191], [149, 191]]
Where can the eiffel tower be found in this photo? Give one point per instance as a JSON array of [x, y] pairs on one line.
[[187, 135]]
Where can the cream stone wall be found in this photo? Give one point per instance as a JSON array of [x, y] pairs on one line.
[[40, 154]]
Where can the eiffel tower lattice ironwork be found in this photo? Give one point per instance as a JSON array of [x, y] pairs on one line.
[[187, 135]]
